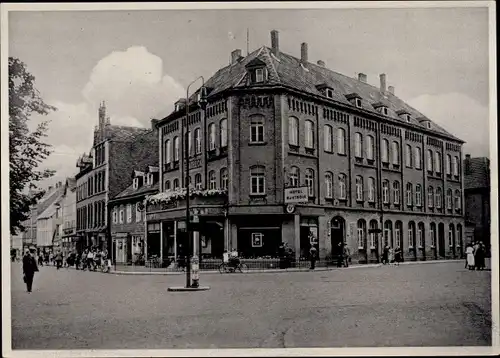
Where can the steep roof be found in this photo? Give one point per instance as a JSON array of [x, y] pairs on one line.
[[49, 199], [130, 191], [124, 133], [478, 174], [288, 71]]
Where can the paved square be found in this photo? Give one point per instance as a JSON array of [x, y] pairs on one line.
[[439, 304]]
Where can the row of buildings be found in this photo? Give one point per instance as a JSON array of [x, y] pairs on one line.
[[285, 150]]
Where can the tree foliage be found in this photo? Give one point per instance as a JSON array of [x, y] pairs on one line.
[[27, 149]]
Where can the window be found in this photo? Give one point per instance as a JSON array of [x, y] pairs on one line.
[[138, 212], [437, 159], [428, 125], [439, 198], [129, 213], [411, 234], [259, 75], [408, 155], [135, 183], [358, 145], [420, 234], [371, 190], [409, 194], [309, 132], [429, 161], [385, 192], [459, 235], [310, 182], [342, 186], [167, 185], [398, 230], [430, 197], [457, 199], [115, 216], [451, 234], [293, 131], [211, 136], [373, 225], [329, 185], [396, 190], [432, 234], [223, 133], [122, 215], [384, 111], [176, 149], [341, 140], [385, 151], [418, 158], [294, 177], [418, 195], [361, 234], [224, 179], [357, 102], [449, 202], [359, 188], [257, 180], [176, 184], [395, 153], [168, 152], [455, 166], [212, 181], [257, 129], [370, 147], [388, 233], [197, 181], [197, 141], [448, 164], [329, 93], [328, 138]]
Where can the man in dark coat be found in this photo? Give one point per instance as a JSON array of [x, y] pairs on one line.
[[29, 269]]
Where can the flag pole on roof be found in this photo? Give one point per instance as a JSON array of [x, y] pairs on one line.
[[248, 39]]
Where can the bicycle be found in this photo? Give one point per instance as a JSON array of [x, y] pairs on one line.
[[226, 268]]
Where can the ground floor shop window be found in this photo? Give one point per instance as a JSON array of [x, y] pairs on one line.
[[259, 242]]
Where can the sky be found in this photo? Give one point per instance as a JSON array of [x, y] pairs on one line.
[[140, 62]]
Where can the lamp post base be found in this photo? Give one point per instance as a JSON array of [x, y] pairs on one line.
[[187, 289]]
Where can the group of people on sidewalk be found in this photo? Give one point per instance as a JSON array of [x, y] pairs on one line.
[[391, 256], [476, 255]]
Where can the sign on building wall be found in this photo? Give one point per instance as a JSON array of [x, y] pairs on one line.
[[296, 195], [257, 238]]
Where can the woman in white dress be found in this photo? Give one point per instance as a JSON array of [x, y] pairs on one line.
[[470, 257]]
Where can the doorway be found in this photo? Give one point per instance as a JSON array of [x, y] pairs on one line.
[[337, 234], [441, 242]]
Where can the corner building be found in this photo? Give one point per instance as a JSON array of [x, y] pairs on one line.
[[274, 121]]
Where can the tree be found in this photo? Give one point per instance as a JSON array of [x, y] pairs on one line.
[[26, 148]]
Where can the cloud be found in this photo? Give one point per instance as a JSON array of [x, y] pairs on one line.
[[460, 115], [135, 89]]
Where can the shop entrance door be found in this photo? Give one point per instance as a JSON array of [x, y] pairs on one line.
[[337, 234], [121, 250]]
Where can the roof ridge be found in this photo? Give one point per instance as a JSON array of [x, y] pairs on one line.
[[268, 54]]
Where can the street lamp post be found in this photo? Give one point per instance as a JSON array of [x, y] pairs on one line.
[[202, 101]]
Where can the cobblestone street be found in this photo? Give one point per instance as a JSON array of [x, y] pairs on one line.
[[439, 304]]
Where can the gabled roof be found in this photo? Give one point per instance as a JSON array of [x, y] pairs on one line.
[[131, 192], [124, 133], [50, 210], [479, 175], [48, 200], [288, 71]]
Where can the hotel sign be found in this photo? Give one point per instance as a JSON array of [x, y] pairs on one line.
[[296, 195]]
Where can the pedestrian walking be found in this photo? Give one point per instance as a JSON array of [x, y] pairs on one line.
[[385, 255], [40, 259], [58, 259], [312, 256], [340, 254], [347, 255], [397, 255], [391, 256], [469, 251], [479, 257], [29, 269]]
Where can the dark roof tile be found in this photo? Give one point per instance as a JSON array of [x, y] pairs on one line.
[[478, 175]]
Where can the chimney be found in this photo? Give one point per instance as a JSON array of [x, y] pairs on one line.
[[275, 45], [467, 165], [153, 123], [382, 83], [235, 56], [102, 114], [321, 63], [362, 77], [391, 89], [303, 52]]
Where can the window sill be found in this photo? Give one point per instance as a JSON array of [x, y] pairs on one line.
[[396, 166], [293, 148], [342, 154], [361, 248], [372, 247], [358, 160], [253, 195], [360, 201], [310, 151], [329, 151], [257, 143]]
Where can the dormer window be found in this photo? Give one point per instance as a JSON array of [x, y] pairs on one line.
[[428, 125], [150, 179], [355, 99], [357, 102], [329, 93], [384, 111], [259, 75], [325, 90], [257, 71], [407, 118], [381, 108], [135, 183], [404, 115]]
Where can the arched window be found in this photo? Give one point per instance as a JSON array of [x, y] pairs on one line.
[[396, 190], [189, 140], [409, 194], [176, 149], [293, 131], [398, 234], [167, 185], [257, 180], [341, 141], [223, 133], [176, 184], [361, 234], [411, 234], [455, 166], [224, 179], [197, 181], [451, 235], [212, 180], [418, 195], [342, 186], [439, 197], [385, 151], [329, 185], [408, 156], [373, 226], [449, 199], [310, 182], [432, 234], [430, 196], [359, 188], [211, 136], [168, 152], [429, 161], [395, 153], [457, 199], [309, 132], [437, 159], [385, 192], [388, 233], [448, 164], [370, 147], [418, 158], [459, 236], [371, 190], [197, 141], [257, 129], [294, 177], [358, 145], [328, 138], [421, 235]]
